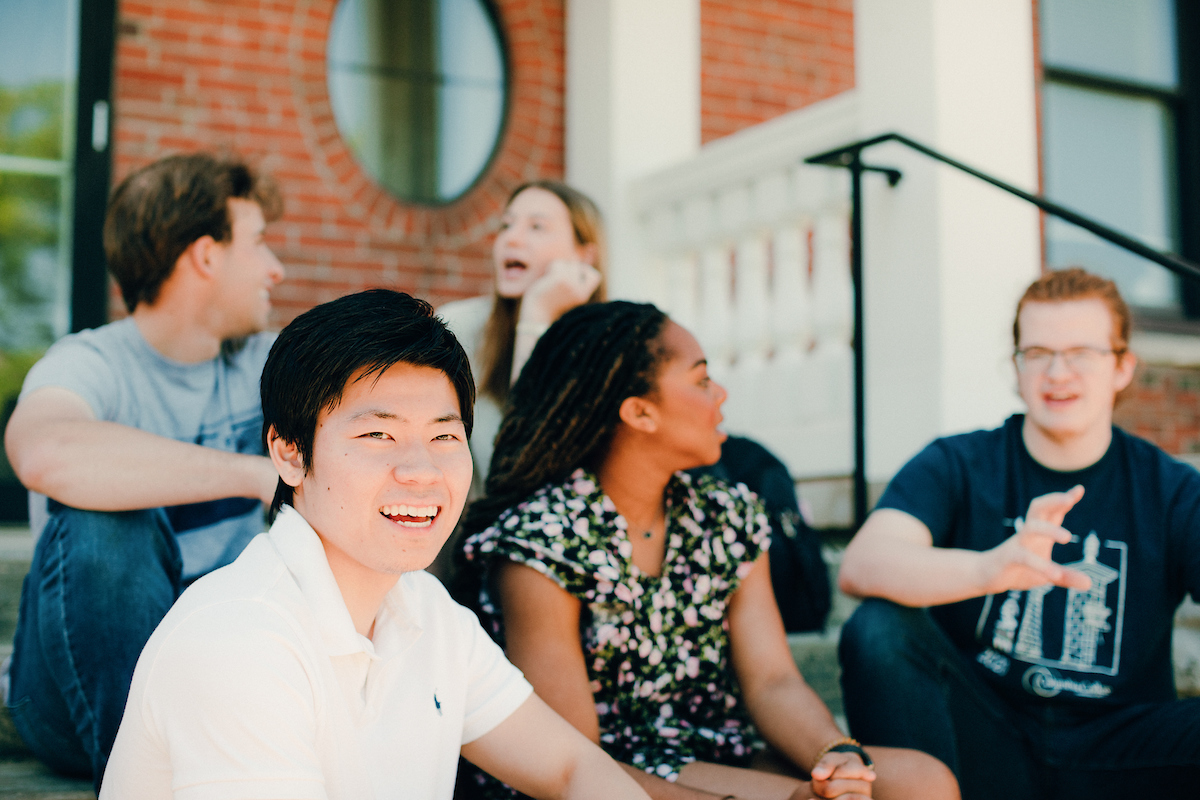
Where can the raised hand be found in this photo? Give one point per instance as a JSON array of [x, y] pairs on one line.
[[1023, 560], [565, 285]]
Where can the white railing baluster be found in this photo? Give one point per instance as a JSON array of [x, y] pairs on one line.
[[791, 304], [684, 290], [748, 248], [833, 288], [751, 334], [716, 306]]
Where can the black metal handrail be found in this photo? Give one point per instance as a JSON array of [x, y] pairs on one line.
[[850, 157]]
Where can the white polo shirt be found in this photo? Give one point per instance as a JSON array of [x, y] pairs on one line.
[[256, 685]]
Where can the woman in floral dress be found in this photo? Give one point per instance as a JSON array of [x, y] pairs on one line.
[[638, 600]]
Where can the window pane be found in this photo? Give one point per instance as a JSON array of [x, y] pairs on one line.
[[37, 71], [472, 97], [1129, 39], [417, 88], [32, 284], [1109, 157]]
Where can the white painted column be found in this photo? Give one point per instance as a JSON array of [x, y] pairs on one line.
[[632, 107], [946, 256]]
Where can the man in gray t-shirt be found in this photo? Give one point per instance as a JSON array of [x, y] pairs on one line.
[[145, 435]]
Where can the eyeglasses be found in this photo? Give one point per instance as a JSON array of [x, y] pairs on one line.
[[1076, 359]]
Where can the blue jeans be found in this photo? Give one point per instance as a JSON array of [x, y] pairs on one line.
[[905, 684], [99, 585]]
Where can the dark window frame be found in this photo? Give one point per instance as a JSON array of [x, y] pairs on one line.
[[1184, 103], [93, 168], [1187, 151]]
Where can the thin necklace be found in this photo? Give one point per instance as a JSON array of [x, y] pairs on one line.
[[649, 532]]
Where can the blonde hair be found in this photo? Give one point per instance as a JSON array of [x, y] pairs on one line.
[[500, 330]]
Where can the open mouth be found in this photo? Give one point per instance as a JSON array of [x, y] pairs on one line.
[[1057, 399], [410, 516], [513, 263]]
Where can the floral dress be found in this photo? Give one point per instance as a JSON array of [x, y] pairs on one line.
[[657, 648]]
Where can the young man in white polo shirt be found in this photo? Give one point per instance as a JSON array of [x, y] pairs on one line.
[[324, 663]]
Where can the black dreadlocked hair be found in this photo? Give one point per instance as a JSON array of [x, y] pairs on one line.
[[563, 410]]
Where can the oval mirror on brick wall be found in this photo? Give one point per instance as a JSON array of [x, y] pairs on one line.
[[418, 89]]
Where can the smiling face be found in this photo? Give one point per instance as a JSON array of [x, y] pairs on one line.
[[389, 475], [687, 402], [246, 271], [1067, 402], [535, 230]]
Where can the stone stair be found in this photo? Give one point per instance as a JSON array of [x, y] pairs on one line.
[[23, 778], [816, 653]]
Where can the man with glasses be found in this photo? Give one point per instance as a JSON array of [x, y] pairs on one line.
[[1022, 582]]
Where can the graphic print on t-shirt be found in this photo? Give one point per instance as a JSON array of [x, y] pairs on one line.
[[1057, 629]]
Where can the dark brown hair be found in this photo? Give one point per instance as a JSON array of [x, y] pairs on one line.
[[500, 330], [158, 211], [1075, 283]]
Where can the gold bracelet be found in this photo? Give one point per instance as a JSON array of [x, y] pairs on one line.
[[825, 750]]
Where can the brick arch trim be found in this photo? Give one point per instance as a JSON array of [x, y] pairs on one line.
[[531, 140]]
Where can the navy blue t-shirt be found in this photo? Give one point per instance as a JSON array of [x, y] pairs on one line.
[[1136, 533]]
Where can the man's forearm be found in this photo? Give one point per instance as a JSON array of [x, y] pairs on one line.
[[910, 574], [103, 466], [596, 777]]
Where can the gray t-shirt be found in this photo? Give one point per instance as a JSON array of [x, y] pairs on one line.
[[213, 403]]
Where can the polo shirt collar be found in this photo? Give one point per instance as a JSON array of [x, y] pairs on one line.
[[397, 623]]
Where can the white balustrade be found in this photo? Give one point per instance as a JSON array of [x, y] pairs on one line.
[[749, 248]]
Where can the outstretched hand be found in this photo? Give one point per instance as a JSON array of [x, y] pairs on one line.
[[1022, 561], [565, 285], [842, 775]]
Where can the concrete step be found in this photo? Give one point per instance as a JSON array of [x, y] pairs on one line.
[[816, 653], [1186, 650], [21, 776], [16, 552], [28, 779]]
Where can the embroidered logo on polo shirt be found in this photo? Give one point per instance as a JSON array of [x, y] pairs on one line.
[[437, 704]]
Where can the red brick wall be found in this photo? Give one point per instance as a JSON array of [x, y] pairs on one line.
[[763, 58], [1163, 405], [249, 76]]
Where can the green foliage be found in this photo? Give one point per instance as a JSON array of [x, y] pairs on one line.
[[31, 125], [31, 120], [13, 367]]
